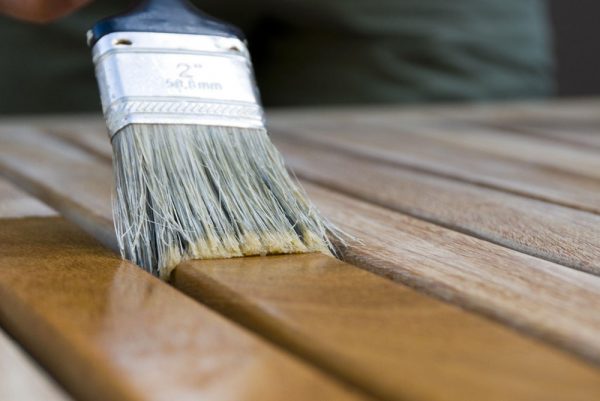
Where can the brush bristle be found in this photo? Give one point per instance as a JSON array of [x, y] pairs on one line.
[[204, 192]]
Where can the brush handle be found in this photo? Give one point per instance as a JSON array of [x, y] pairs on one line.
[[165, 16]]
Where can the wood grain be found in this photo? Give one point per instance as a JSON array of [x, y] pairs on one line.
[[537, 296], [109, 331], [386, 337], [407, 147], [21, 378], [559, 234], [549, 300]]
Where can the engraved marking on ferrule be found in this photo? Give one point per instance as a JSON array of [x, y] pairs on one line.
[[179, 79]]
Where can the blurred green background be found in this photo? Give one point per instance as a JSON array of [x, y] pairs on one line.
[[309, 52]]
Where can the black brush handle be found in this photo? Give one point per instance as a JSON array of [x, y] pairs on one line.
[[166, 16]]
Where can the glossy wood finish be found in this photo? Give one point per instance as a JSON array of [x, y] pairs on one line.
[[21, 378], [109, 331], [386, 337], [373, 333], [515, 288]]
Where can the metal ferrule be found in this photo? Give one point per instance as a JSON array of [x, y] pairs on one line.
[[164, 78]]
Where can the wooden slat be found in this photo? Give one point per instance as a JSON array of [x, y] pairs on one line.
[[579, 134], [466, 287], [407, 148], [14, 203], [21, 378], [559, 234], [557, 109], [70, 129], [571, 122], [554, 302], [564, 109], [502, 143], [409, 352], [109, 331], [384, 336], [24, 162], [85, 134]]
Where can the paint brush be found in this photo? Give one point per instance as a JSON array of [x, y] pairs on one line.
[[196, 174]]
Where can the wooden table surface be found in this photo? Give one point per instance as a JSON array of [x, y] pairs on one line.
[[476, 275]]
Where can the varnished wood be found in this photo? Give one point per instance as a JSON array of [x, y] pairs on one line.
[[109, 331], [559, 234], [22, 379], [411, 251], [386, 337]]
